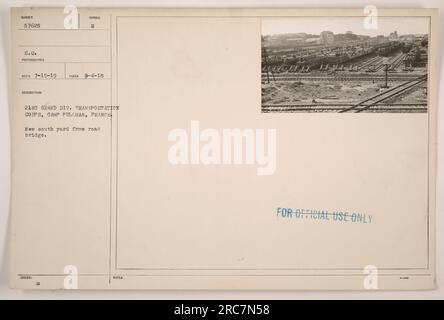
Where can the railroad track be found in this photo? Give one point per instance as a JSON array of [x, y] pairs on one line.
[[387, 94], [399, 107], [367, 63], [396, 62], [366, 77], [418, 108]]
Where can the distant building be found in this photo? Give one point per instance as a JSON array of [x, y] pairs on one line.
[[327, 37], [294, 41], [393, 36], [313, 40], [381, 39], [343, 37]]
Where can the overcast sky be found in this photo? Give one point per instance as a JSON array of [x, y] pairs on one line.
[[315, 25]]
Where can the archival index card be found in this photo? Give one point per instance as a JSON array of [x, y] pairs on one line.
[[223, 149]]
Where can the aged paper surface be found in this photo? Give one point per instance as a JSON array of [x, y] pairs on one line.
[[223, 149]]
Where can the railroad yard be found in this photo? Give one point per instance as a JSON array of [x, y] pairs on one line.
[[359, 75]]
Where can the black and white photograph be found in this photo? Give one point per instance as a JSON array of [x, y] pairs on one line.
[[340, 64]]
